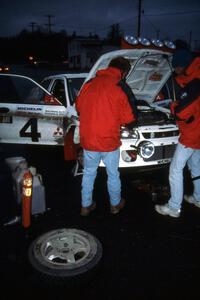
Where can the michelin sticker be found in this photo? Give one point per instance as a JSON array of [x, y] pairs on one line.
[[29, 109]]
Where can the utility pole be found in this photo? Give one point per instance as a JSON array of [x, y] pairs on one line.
[[190, 39], [32, 25], [49, 24], [139, 17]]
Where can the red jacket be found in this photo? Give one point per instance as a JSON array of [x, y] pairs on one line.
[[187, 108], [103, 107]]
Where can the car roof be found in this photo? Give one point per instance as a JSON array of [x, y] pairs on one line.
[[25, 77], [67, 75]]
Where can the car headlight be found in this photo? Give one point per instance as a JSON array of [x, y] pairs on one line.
[[146, 149], [129, 134]]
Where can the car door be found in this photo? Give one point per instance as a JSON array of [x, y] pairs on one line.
[[58, 90], [29, 114]]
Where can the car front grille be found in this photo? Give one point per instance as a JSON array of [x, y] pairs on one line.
[[163, 134], [162, 152]]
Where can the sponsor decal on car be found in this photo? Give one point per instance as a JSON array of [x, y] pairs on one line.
[[5, 119], [48, 112], [58, 133], [26, 108], [164, 161], [155, 76], [51, 112]]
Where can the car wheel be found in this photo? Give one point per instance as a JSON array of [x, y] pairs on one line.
[[65, 254]]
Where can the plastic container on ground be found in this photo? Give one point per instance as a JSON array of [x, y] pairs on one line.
[[17, 176], [13, 162], [18, 167], [38, 194]]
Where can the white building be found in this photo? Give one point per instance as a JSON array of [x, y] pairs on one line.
[[84, 51]]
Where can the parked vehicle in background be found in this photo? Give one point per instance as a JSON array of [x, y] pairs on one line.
[[33, 115], [4, 68]]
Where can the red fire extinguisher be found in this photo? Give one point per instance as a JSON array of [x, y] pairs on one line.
[[26, 199]]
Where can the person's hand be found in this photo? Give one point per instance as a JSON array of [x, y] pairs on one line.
[[173, 105]]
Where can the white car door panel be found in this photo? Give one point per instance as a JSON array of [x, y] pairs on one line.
[[27, 130], [29, 114]]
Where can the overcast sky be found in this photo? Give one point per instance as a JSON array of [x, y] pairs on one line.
[[164, 18]]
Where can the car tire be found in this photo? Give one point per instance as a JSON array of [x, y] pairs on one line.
[[65, 256]]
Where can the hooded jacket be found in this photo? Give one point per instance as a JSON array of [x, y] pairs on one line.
[[103, 107], [187, 108]]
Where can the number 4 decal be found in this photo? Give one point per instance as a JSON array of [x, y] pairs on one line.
[[33, 133]]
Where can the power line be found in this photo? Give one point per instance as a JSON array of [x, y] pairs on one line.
[[174, 14], [149, 15], [121, 22]]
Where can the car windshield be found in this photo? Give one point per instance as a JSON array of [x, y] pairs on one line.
[[74, 85], [14, 89]]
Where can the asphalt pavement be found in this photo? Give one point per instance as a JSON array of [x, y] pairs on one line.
[[145, 255]]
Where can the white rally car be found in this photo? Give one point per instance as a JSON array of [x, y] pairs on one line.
[[151, 143], [38, 117], [33, 114]]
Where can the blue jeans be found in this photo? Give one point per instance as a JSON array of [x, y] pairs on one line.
[[182, 156], [91, 163]]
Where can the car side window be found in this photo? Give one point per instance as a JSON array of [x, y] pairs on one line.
[[73, 86], [58, 91], [8, 91], [16, 89], [46, 83]]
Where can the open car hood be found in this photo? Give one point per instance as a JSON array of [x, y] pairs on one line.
[[150, 70]]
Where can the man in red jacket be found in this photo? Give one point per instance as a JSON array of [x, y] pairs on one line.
[[187, 114], [103, 107]]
